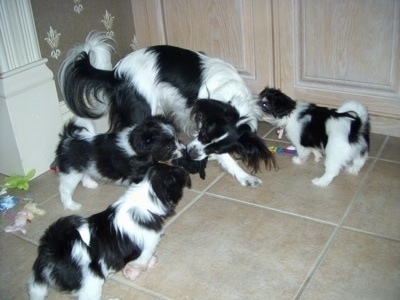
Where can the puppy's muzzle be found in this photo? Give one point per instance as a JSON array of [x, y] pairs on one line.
[[180, 151]]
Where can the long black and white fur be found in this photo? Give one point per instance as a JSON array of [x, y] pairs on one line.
[[342, 134], [186, 85], [84, 156], [77, 254]]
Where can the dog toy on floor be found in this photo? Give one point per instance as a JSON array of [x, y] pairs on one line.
[[289, 150], [18, 181], [24, 216]]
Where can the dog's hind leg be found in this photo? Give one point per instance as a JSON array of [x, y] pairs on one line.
[[357, 164], [89, 182], [333, 166], [91, 288], [231, 166], [68, 183], [36, 290]]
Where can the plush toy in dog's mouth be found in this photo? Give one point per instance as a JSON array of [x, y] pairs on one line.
[[190, 165]]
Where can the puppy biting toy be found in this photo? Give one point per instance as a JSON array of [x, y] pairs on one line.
[[192, 166]]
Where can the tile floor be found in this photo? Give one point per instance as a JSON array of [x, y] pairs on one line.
[[283, 240]]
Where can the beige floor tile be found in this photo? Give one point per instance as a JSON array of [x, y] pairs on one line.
[[213, 171], [378, 207], [263, 129], [290, 189], [376, 141], [16, 260], [392, 149], [357, 266], [220, 249]]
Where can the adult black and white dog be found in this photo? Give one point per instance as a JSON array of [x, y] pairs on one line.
[[77, 254], [171, 81], [342, 134], [83, 155]]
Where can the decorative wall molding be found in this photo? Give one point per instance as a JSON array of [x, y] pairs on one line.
[[17, 35], [29, 111]]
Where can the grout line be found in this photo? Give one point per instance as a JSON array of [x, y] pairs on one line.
[[200, 194], [268, 132], [377, 235], [138, 288], [283, 212], [335, 233]]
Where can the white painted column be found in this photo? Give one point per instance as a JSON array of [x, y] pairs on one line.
[[30, 117]]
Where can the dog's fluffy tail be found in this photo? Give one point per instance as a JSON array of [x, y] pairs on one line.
[[78, 128], [86, 78], [356, 107], [361, 126]]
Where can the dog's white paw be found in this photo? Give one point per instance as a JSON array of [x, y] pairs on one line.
[[152, 262], [297, 160], [250, 180], [89, 183], [320, 181], [353, 170], [131, 272], [317, 155], [72, 205]]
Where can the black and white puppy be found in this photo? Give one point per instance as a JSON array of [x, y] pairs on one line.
[[169, 80], [123, 157], [342, 134], [77, 254]]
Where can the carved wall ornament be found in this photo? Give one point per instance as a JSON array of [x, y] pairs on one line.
[[78, 6], [108, 20], [52, 39], [134, 44]]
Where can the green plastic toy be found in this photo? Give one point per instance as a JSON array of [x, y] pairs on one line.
[[18, 181]]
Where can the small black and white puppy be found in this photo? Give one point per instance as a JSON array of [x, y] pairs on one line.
[[342, 134], [175, 82], [77, 254], [122, 158]]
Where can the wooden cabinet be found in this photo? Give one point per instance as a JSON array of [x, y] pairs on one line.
[[322, 51]]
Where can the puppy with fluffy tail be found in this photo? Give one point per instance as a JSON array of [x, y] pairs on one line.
[[342, 134], [77, 254], [122, 158]]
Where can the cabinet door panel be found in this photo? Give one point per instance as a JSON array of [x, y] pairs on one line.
[[237, 31]]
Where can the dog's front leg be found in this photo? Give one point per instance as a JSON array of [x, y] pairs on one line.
[[132, 269], [302, 155], [231, 166]]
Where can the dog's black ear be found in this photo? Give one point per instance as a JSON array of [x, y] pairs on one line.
[[252, 150], [278, 103]]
